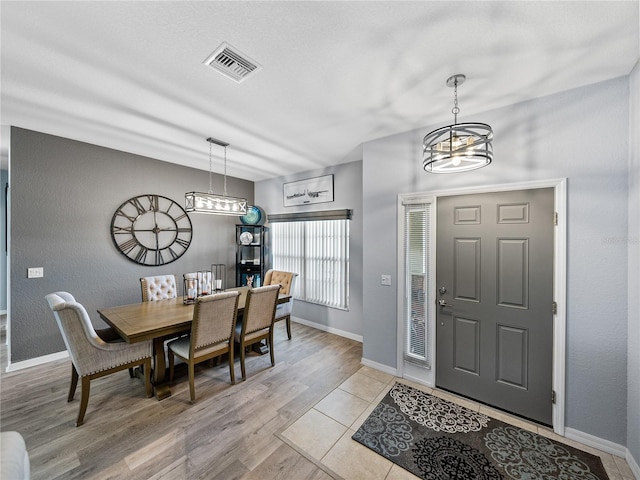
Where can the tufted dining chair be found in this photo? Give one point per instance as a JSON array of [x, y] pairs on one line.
[[158, 287], [257, 321], [92, 357], [107, 334], [214, 319], [287, 284]]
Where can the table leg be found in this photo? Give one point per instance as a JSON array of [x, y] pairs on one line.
[[260, 347], [160, 386]]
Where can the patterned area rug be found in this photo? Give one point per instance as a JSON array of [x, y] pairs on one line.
[[438, 440]]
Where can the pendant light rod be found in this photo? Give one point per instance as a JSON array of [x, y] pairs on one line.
[[225, 171], [213, 203], [220, 143]]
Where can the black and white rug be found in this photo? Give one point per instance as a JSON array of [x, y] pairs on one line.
[[438, 440]]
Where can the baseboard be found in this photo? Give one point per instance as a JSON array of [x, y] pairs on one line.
[[379, 366], [324, 328], [419, 381], [596, 442], [605, 446], [32, 362], [394, 372], [633, 465]]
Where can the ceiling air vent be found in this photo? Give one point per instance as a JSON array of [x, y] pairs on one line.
[[231, 62]]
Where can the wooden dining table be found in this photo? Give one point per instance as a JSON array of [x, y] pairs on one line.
[[155, 321]]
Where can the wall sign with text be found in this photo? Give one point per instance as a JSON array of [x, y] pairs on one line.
[[308, 191]]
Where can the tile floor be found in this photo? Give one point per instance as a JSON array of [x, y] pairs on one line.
[[323, 433]]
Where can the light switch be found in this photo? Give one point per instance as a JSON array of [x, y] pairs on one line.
[[385, 280], [35, 272]]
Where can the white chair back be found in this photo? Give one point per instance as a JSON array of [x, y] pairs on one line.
[[158, 287]]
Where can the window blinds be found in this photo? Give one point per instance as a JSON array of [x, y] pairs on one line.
[[318, 251], [417, 244]]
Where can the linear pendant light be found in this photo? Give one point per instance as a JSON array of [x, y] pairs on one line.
[[199, 202], [459, 147]]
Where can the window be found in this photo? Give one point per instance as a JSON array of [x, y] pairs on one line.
[[417, 244], [318, 250]]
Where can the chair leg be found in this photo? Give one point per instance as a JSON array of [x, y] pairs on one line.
[[74, 383], [289, 326], [232, 370], [192, 387], [84, 401], [172, 361], [271, 352], [242, 368], [148, 388]]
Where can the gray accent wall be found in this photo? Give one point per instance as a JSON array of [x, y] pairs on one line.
[[633, 350], [4, 178], [583, 135], [63, 196], [347, 178]]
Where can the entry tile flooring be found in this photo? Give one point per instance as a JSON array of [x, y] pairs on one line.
[[323, 433]]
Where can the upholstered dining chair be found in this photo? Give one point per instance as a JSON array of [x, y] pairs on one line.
[[92, 357], [257, 321], [287, 284], [158, 287], [107, 334], [214, 319]]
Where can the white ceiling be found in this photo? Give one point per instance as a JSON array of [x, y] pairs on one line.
[[130, 75]]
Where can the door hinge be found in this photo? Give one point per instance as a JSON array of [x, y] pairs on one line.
[[554, 307], [555, 218], [553, 396]]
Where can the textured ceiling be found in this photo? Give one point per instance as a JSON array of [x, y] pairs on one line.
[[130, 75]]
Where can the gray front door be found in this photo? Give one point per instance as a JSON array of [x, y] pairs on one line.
[[494, 334]]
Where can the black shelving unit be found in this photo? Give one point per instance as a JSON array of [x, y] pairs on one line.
[[253, 256]]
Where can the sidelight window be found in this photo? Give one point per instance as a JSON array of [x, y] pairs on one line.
[[418, 281]]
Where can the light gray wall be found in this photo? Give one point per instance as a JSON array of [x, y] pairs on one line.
[[63, 195], [4, 178], [633, 362], [581, 134], [347, 178]]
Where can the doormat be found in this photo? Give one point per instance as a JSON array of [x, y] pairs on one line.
[[438, 440]]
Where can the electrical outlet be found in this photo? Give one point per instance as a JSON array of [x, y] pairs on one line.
[[385, 280], [35, 272]]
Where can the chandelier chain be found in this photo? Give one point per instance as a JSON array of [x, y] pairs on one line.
[[455, 110]]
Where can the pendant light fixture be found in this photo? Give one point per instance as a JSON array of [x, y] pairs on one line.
[[211, 203], [459, 147]]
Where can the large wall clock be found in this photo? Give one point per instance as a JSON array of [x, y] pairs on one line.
[[151, 230]]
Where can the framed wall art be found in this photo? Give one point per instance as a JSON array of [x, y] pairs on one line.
[[308, 191]]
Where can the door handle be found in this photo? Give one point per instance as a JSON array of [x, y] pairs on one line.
[[443, 303]]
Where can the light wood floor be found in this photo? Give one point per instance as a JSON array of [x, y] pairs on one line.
[[229, 433]]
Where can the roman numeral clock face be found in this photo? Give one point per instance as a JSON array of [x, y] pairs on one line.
[[151, 230]]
